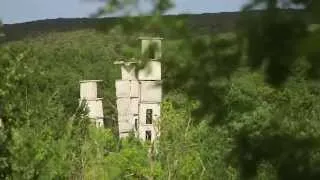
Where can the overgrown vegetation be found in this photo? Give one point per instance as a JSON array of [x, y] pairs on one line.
[[242, 105]]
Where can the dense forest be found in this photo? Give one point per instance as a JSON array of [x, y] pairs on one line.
[[241, 104], [196, 23], [215, 22]]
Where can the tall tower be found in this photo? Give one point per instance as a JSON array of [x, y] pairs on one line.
[[89, 94], [139, 94], [150, 89], [128, 93]]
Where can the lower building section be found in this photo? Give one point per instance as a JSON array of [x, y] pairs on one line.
[[128, 123], [148, 133], [95, 110], [144, 124], [123, 106], [149, 116], [125, 127], [99, 123]]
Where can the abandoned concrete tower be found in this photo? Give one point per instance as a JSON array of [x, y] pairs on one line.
[[139, 94], [89, 95]]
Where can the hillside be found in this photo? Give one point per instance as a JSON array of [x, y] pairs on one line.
[[221, 117], [197, 23], [212, 22]]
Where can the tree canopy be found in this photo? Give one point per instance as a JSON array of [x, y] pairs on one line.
[[239, 105]]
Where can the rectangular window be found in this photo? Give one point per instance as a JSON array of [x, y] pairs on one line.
[[149, 116], [136, 123], [151, 51], [148, 135]]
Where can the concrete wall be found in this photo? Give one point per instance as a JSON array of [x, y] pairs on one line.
[[143, 130], [155, 112], [124, 118], [125, 127], [151, 91], [127, 103], [134, 106], [134, 89], [123, 106], [152, 71], [143, 126], [128, 72], [95, 108], [88, 94], [122, 88], [146, 42], [127, 88], [137, 94], [88, 89]]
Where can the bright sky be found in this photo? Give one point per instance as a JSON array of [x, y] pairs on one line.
[[15, 11]]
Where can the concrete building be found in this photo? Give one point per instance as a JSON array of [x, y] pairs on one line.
[[139, 94], [89, 95]]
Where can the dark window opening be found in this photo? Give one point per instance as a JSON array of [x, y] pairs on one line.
[[136, 123], [148, 135], [152, 50], [151, 54], [149, 116]]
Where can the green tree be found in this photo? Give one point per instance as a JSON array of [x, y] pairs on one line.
[[220, 119]]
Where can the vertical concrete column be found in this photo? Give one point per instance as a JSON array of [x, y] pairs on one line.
[[155, 44], [88, 93], [139, 97], [150, 90], [127, 92]]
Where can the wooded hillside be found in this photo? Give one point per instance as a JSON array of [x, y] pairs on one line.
[[240, 105], [197, 23]]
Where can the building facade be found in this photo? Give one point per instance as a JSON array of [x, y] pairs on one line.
[[139, 94], [89, 95]]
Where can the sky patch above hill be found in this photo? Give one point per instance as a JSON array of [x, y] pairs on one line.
[[17, 11]]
